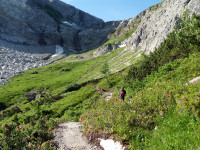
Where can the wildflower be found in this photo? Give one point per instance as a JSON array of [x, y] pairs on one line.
[[164, 106], [184, 92], [28, 137], [165, 94], [195, 83], [169, 95], [20, 127], [181, 110], [30, 144], [198, 92], [197, 97], [183, 97], [17, 128], [142, 122]]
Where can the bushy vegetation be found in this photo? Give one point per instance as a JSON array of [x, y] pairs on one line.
[[184, 40], [166, 108]]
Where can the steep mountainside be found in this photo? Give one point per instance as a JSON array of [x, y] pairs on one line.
[[155, 25], [151, 26], [33, 22]]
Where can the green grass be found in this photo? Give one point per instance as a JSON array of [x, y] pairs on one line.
[[122, 34], [180, 132]]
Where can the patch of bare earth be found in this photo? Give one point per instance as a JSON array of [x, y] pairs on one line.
[[69, 136]]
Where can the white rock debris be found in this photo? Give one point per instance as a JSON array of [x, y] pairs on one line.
[[14, 62]]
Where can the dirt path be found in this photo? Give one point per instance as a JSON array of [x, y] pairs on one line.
[[69, 137]]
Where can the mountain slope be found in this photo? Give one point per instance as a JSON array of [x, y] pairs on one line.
[[157, 24], [151, 26], [33, 103]]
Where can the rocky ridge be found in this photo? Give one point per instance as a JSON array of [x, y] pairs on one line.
[[155, 25], [156, 22]]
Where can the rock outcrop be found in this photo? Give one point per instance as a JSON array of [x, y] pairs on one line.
[[33, 22], [156, 24]]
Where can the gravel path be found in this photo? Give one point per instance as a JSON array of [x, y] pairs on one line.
[[69, 137]]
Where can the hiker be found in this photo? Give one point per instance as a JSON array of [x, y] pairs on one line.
[[122, 93]]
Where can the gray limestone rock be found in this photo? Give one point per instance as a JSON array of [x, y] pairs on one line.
[[33, 22], [158, 23]]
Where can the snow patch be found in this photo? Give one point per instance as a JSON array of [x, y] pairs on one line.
[[59, 51], [111, 145], [70, 24], [122, 45], [73, 25]]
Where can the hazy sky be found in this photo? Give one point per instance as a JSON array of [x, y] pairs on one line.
[[110, 10]]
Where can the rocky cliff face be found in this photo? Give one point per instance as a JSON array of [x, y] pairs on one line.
[[156, 24], [33, 22], [41, 22]]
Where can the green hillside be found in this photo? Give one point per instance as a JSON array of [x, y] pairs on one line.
[[164, 113]]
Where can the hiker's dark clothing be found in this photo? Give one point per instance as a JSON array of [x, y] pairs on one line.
[[122, 94]]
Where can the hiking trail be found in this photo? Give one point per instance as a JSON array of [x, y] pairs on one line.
[[68, 136]]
